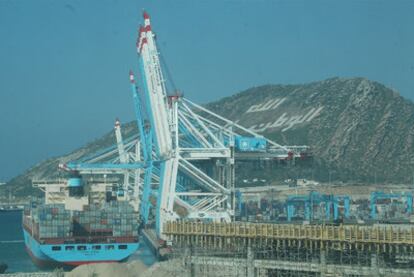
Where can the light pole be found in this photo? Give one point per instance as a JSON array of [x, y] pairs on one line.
[[412, 180], [330, 177]]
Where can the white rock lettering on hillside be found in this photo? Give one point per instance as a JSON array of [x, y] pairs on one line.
[[286, 122], [269, 105]]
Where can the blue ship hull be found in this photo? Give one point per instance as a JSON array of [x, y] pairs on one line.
[[77, 254]]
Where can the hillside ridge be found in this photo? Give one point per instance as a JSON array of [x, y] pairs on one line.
[[359, 130]]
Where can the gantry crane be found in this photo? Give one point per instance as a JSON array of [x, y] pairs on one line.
[[185, 150], [379, 195], [308, 202]]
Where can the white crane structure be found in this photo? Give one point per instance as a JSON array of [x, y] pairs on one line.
[[184, 154]]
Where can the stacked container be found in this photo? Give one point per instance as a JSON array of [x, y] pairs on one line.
[[114, 219], [117, 219], [52, 221]]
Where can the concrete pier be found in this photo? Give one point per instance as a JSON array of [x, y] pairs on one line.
[[150, 238]]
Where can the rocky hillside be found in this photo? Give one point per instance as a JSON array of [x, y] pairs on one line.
[[359, 130]]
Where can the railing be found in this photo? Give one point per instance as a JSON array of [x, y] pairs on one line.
[[343, 233]]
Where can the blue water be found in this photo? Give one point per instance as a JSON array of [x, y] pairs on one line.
[[13, 253]]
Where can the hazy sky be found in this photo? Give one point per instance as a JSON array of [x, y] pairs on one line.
[[64, 64]]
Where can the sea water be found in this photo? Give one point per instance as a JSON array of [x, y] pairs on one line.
[[12, 248]]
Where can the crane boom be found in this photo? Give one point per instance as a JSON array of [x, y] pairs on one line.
[[159, 115], [154, 87]]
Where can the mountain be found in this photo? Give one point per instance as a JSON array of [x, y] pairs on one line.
[[358, 130]]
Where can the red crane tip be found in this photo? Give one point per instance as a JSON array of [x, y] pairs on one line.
[[146, 15]]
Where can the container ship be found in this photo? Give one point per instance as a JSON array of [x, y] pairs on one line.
[[80, 222]]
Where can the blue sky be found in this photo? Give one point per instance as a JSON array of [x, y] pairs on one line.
[[64, 64]]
